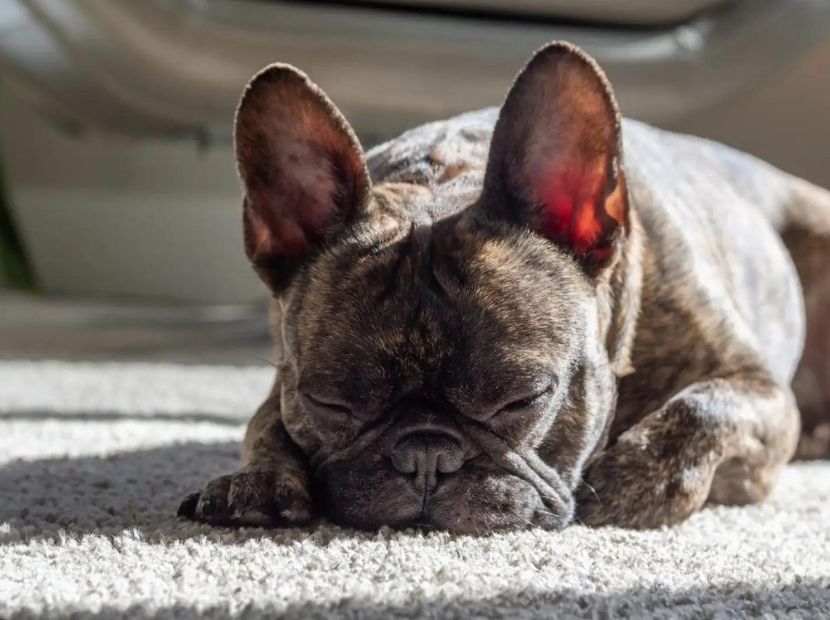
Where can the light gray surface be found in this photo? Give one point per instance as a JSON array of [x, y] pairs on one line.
[[108, 215], [167, 67], [71, 328], [94, 458], [784, 120], [631, 12]]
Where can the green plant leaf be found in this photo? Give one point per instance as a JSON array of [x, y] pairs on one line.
[[13, 264]]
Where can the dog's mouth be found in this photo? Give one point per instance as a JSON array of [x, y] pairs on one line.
[[489, 498], [473, 501], [499, 489]]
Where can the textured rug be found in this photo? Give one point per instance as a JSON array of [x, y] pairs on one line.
[[94, 459]]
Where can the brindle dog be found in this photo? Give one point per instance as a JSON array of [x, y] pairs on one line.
[[516, 317]]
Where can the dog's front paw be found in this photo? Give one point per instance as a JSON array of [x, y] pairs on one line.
[[642, 482], [251, 498]]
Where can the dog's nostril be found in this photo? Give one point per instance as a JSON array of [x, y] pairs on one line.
[[403, 460], [450, 461], [426, 454]]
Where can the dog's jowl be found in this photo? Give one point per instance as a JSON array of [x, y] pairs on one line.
[[522, 317]]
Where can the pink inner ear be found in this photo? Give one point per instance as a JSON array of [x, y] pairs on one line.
[[573, 202], [278, 236]]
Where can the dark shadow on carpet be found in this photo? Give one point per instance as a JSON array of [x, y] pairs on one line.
[[809, 599]]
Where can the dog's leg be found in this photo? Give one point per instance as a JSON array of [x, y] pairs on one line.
[[722, 439], [811, 383], [807, 237], [270, 489]]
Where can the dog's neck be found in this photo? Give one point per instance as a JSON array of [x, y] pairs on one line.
[[619, 298]]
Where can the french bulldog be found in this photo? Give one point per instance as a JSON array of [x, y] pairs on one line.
[[522, 317]]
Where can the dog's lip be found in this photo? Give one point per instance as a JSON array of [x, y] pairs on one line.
[[554, 494], [422, 515], [551, 514], [558, 505]]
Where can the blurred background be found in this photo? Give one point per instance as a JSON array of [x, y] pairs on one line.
[[120, 232]]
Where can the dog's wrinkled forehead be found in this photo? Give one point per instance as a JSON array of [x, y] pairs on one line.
[[443, 307]]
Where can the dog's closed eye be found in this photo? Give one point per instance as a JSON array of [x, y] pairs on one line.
[[326, 403], [529, 399]]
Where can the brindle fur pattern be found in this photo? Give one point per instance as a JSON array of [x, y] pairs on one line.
[[672, 366]]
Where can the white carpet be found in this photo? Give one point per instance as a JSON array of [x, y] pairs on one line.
[[94, 459]]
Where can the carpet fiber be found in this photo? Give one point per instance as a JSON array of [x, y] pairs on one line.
[[94, 458]]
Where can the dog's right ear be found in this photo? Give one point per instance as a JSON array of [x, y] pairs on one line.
[[302, 167]]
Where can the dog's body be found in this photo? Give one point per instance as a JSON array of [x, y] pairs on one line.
[[673, 322]]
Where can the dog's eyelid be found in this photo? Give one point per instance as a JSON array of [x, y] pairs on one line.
[[530, 397], [335, 404]]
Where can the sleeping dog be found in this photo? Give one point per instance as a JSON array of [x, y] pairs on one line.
[[522, 317]]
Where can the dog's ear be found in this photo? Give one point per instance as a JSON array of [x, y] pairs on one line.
[[302, 167], [555, 161]]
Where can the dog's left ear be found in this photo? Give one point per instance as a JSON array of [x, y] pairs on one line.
[[556, 155]]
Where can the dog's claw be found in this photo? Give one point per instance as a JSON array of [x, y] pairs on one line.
[[187, 508]]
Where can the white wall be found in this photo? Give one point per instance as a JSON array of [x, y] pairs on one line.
[[105, 215]]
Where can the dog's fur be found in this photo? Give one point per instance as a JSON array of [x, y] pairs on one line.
[[509, 318]]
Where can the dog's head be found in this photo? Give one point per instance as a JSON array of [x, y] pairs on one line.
[[452, 370]]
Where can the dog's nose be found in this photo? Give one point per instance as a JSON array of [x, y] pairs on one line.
[[425, 454]]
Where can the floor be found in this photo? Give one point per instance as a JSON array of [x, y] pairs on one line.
[[95, 457]]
